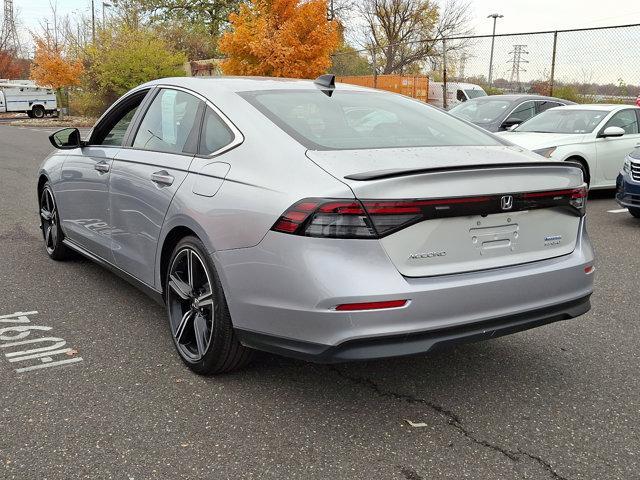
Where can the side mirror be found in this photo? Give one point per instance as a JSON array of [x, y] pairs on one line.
[[66, 139], [612, 132]]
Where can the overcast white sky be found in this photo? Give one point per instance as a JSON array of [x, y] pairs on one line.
[[519, 15], [587, 56]]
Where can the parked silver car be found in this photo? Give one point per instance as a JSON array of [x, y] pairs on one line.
[[322, 222]]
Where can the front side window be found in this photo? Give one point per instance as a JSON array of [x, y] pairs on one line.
[[361, 120], [626, 120], [561, 120], [169, 123], [215, 133], [112, 129], [115, 136]]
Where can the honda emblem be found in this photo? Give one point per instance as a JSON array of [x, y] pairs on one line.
[[506, 202]]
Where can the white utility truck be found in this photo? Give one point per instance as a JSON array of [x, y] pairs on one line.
[[27, 97]]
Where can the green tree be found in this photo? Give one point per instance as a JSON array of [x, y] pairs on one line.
[[191, 26], [348, 61], [123, 57]]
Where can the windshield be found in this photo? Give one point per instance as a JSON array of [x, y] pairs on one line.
[[481, 111], [563, 121], [361, 120], [475, 93]]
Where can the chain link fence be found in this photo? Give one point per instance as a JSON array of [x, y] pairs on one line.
[[588, 65], [582, 65]]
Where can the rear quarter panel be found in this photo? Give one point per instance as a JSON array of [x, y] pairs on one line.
[[268, 173]]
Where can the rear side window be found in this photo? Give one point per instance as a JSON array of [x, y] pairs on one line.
[[169, 123], [350, 119], [215, 133]]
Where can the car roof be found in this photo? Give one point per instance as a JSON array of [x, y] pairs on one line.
[[608, 107], [243, 84], [512, 97]]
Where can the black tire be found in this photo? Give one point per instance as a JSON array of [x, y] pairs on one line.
[[50, 225], [635, 211], [38, 111], [30, 114], [198, 314]]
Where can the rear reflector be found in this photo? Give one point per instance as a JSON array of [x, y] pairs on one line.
[[372, 305], [589, 270]]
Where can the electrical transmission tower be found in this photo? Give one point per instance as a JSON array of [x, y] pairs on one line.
[[516, 62], [10, 39]]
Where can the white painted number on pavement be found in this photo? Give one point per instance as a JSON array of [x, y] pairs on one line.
[[34, 353]]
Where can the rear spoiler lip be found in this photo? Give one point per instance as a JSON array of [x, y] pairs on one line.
[[398, 172]]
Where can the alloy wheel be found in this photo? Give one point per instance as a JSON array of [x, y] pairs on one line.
[[191, 304], [49, 220]]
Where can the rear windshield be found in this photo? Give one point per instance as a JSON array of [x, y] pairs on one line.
[[362, 120], [481, 111]]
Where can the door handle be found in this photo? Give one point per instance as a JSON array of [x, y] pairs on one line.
[[102, 166], [162, 178]]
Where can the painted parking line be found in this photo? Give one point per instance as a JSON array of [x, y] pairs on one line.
[[15, 327], [619, 210]]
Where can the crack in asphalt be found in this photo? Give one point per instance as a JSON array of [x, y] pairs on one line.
[[452, 419]]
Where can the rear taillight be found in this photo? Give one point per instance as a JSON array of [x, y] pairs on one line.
[[316, 217], [573, 197], [337, 218]]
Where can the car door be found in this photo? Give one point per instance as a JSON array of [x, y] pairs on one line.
[[83, 194], [611, 151], [147, 173]]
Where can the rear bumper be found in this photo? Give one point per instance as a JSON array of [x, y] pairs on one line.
[[415, 343], [282, 296], [627, 191]]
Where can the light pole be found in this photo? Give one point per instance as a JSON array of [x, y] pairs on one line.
[[495, 17], [105, 5], [93, 22]]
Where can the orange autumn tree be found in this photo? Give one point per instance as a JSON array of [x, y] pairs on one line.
[[52, 69], [280, 38]]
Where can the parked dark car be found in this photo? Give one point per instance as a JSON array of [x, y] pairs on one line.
[[496, 113], [628, 184]]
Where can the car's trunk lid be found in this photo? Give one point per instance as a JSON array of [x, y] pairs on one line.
[[468, 228]]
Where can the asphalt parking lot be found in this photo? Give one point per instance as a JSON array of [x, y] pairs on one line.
[[557, 402]]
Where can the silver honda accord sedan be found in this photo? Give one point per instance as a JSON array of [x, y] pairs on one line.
[[319, 221]]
